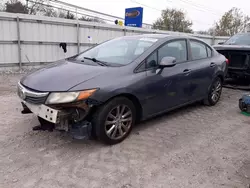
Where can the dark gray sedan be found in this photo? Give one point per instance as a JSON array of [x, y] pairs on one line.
[[105, 90]]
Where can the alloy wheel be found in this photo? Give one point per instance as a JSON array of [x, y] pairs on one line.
[[216, 91], [118, 122]]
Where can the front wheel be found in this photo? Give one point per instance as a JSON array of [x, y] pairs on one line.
[[214, 92], [114, 120]]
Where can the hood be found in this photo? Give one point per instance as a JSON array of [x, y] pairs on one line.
[[232, 47], [62, 76]]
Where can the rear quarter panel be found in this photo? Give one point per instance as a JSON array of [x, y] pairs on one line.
[[221, 68]]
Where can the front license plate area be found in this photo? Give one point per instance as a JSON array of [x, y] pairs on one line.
[[44, 112]]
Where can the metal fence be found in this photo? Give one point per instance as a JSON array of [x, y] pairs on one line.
[[34, 40]]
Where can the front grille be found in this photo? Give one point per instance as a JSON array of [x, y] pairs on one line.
[[36, 100], [31, 96]]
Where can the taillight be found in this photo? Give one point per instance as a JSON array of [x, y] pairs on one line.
[[227, 61]]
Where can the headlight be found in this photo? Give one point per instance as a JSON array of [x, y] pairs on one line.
[[66, 97]]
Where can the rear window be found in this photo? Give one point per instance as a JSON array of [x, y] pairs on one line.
[[239, 39]]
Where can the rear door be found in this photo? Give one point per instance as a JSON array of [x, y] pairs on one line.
[[202, 69]]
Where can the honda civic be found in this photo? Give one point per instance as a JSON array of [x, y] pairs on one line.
[[104, 91]]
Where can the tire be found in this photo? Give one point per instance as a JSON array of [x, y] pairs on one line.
[[241, 105], [105, 121], [211, 100]]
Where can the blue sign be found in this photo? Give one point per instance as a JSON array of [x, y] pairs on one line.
[[133, 17]]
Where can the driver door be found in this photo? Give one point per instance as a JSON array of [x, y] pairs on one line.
[[166, 87]]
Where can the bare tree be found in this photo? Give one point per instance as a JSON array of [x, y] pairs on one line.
[[62, 14], [206, 32], [15, 6], [40, 7], [70, 16], [89, 19], [232, 22], [50, 12], [1, 6], [66, 15], [173, 20], [36, 6]]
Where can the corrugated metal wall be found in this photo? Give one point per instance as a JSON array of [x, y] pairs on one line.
[[30, 40]]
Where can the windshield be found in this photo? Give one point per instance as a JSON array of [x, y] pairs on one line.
[[119, 51], [239, 39]]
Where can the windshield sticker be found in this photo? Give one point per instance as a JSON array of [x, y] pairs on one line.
[[149, 39]]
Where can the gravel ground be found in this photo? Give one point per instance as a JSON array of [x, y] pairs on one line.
[[195, 146]]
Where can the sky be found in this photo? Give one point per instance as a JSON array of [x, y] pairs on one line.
[[203, 13]]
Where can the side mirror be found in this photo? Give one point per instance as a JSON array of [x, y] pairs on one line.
[[220, 43], [167, 62]]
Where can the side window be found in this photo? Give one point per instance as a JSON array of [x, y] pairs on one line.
[[177, 49], [151, 61], [198, 50], [209, 52]]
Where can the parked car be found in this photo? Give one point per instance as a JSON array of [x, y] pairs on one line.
[[237, 50], [105, 90]]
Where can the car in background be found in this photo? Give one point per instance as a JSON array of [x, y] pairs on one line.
[[103, 91], [237, 50]]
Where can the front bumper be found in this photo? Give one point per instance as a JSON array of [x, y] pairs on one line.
[[80, 130], [65, 117], [43, 111]]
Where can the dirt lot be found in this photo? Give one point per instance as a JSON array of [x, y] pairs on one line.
[[196, 146]]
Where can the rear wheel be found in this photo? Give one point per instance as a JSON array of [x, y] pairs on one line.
[[114, 120], [214, 92]]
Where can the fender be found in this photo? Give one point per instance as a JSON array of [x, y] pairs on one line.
[[103, 96]]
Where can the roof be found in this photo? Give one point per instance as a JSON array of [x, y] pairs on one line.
[[155, 35], [160, 36]]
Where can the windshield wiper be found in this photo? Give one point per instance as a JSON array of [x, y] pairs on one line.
[[102, 63]]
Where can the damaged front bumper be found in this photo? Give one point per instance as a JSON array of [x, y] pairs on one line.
[[49, 114], [74, 117], [61, 119]]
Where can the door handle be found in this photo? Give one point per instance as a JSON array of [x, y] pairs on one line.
[[212, 64], [187, 71]]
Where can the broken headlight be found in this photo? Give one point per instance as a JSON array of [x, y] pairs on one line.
[[67, 97]]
